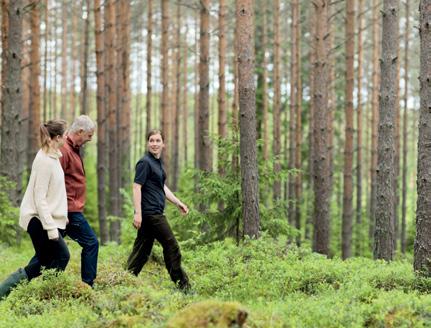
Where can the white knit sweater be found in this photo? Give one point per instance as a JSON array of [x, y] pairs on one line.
[[45, 197]]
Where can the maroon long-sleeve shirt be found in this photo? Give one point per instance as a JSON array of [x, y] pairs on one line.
[[74, 176]]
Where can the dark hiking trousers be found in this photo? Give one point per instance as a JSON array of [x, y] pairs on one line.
[[156, 227], [51, 254]]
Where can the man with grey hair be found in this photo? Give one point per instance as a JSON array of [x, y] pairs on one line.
[[80, 132]]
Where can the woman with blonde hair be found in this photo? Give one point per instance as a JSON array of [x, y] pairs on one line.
[[43, 210]]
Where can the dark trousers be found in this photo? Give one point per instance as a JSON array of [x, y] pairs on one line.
[[80, 231], [51, 254], [156, 227]]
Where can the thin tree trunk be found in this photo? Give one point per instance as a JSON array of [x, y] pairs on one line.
[[222, 113], [64, 108], [346, 248], [73, 58], [45, 66], [34, 123], [247, 105], [265, 118], [321, 131], [11, 94], [185, 100], [204, 139], [101, 122], [422, 253], [4, 42], [405, 122], [165, 83], [358, 227], [178, 107], [384, 229], [84, 65], [374, 116], [149, 65], [277, 101]]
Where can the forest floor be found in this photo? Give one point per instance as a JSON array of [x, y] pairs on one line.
[[261, 283]]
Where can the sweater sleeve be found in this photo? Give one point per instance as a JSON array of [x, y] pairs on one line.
[[43, 172]]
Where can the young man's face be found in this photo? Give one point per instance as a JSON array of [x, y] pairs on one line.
[[156, 145]]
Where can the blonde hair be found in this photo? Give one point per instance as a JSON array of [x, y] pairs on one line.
[[49, 130]]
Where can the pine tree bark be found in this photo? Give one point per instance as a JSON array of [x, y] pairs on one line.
[[11, 95], [422, 251], [101, 122], [166, 117], [185, 100], [374, 116], [65, 113], [247, 107], [45, 66], [34, 122], [405, 133], [358, 225], [221, 100], [346, 244], [149, 66], [84, 61], [321, 130], [265, 118], [4, 42], [204, 139], [72, 83], [384, 217], [277, 101], [178, 105]]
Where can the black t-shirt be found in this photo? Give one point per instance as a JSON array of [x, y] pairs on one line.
[[151, 176]]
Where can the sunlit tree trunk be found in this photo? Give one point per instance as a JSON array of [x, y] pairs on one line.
[[277, 100], [84, 61], [149, 65]]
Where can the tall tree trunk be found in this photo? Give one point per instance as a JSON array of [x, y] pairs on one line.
[[101, 122], [292, 118], [34, 122], [298, 135], [422, 254], [64, 108], [111, 109], [358, 225], [247, 106], [265, 119], [11, 95], [374, 116], [222, 113], [4, 42], [405, 122], [149, 65], [185, 100], [165, 84], [84, 61], [45, 66], [178, 104], [55, 68], [204, 138], [346, 249], [277, 100], [384, 230], [321, 131], [73, 58]]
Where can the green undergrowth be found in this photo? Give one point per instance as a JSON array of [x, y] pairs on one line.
[[262, 283]]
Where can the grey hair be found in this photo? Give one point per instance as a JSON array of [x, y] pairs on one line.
[[82, 122]]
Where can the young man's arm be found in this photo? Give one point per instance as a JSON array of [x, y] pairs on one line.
[[174, 200], [137, 218]]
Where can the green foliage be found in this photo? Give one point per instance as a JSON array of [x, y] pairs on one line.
[[279, 285], [8, 213]]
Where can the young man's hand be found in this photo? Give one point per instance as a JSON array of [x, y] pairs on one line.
[[183, 208], [137, 220]]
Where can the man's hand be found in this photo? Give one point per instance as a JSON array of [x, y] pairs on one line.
[[137, 220]]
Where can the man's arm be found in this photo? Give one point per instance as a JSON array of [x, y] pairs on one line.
[[137, 217], [174, 200]]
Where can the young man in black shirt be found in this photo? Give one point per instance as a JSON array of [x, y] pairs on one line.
[[149, 194]]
